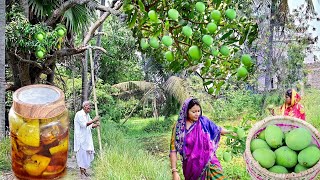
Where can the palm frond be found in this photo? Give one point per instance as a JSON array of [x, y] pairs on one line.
[[176, 87], [79, 17], [134, 85], [43, 8]]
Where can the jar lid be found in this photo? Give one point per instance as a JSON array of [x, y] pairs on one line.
[[38, 101]]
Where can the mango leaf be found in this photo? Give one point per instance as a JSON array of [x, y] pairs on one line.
[[128, 7], [217, 3], [226, 35], [141, 6], [207, 83], [133, 20]]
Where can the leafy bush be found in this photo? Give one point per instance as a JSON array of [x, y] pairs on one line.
[[159, 125], [234, 104]]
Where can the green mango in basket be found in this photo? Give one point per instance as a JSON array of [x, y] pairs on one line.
[[265, 157], [258, 143], [262, 135], [299, 168], [278, 169], [298, 139], [274, 136], [286, 157], [309, 156]]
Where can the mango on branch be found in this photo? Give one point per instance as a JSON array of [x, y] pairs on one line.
[[29, 133]]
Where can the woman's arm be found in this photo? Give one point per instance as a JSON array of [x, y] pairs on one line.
[[225, 131], [173, 160]]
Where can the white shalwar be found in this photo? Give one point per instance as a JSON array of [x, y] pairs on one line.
[[83, 144]]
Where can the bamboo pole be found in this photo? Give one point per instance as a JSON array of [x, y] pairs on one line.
[[95, 96]]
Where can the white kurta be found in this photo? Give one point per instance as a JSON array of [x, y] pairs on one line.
[[83, 143]]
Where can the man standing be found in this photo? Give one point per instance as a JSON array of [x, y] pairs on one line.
[[83, 144]]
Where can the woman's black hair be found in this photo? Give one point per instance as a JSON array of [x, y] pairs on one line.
[[192, 103], [289, 93]]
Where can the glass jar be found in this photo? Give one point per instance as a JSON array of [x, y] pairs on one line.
[[39, 130]]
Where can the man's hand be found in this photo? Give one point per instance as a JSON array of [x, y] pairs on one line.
[[97, 118], [97, 124]]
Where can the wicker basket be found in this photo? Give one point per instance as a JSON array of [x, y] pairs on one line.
[[286, 124]]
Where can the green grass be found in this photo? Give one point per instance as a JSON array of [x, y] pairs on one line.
[[5, 158], [126, 159], [311, 103]]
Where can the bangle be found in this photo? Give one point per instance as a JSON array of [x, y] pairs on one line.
[[174, 170]]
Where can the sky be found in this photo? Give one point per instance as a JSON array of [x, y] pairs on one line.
[[296, 3]]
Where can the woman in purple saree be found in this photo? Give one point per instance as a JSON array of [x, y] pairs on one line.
[[196, 138]]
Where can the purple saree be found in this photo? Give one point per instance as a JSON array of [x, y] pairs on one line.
[[197, 145]]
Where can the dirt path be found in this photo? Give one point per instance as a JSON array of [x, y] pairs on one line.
[[72, 172]]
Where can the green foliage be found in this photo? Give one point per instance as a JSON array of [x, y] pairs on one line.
[[234, 104], [5, 146], [230, 34], [124, 159], [120, 63], [159, 125], [294, 66], [111, 108], [21, 35]]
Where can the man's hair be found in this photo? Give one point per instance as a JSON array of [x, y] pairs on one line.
[[85, 103]]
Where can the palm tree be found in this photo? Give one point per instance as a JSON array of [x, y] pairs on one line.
[[2, 69], [174, 86]]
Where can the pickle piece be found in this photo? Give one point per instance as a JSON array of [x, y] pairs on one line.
[[50, 132], [29, 150], [52, 170], [29, 133], [62, 147], [36, 164], [15, 121]]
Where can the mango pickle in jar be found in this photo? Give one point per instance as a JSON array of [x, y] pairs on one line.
[[39, 130]]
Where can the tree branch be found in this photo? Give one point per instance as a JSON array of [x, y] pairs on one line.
[[27, 61], [95, 26], [62, 9], [108, 9]]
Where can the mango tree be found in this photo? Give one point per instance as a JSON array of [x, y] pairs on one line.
[[39, 34], [204, 36]]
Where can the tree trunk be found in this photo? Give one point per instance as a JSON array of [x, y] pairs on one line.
[[2, 69], [85, 78], [50, 77], [270, 48], [25, 6]]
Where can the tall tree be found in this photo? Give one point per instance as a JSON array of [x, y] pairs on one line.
[[29, 56], [278, 28], [2, 68]]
